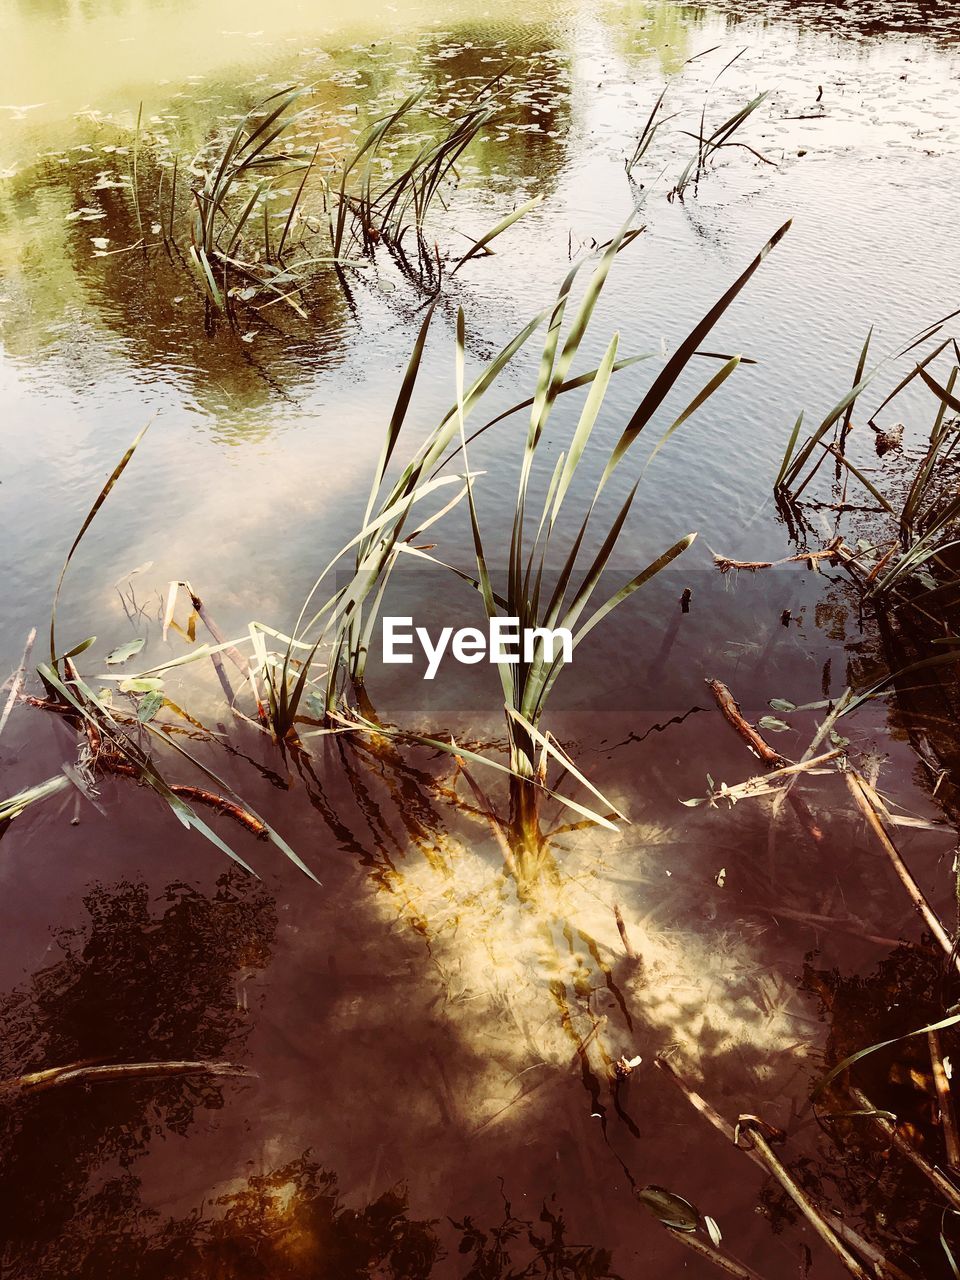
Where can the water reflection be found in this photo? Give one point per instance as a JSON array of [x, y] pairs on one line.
[[95, 234], [934, 19], [909, 987], [141, 980], [292, 1221], [423, 1003]]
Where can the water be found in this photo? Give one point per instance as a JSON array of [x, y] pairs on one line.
[[435, 1046]]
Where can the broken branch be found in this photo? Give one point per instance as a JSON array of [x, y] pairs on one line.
[[858, 789], [84, 1073]]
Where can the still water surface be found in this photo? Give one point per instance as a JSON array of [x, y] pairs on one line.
[[428, 1049]]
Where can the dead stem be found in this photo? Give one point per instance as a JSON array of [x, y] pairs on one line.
[[85, 1073], [948, 1116], [199, 795], [622, 930], [884, 1268], [763, 781], [748, 1126], [858, 789], [17, 679], [771, 758], [233, 653], [732, 1266], [732, 714], [106, 760], [831, 552], [933, 1175], [850, 925]]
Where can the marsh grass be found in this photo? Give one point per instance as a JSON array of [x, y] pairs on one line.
[[710, 140], [902, 554], [313, 678], [342, 208], [344, 622], [114, 747], [925, 510]]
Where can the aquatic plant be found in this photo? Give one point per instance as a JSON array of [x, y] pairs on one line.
[[527, 597], [216, 229], [710, 141], [345, 620], [343, 623], [232, 247], [113, 744], [900, 551]]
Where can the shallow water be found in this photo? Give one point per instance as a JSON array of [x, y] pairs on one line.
[[417, 1030]]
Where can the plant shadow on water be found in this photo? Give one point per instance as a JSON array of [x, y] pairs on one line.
[[444, 1011], [516, 1012], [540, 971]]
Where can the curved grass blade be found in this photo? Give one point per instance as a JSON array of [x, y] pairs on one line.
[[101, 499], [503, 225], [848, 1062], [677, 362]]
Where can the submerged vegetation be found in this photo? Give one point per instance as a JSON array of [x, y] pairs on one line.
[[263, 211]]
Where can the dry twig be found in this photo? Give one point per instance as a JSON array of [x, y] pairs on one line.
[[16, 680], [943, 1184], [881, 1265], [833, 552], [948, 1116], [87, 1073], [859, 790], [749, 1126]]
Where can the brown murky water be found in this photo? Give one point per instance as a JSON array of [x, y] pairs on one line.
[[431, 1088]]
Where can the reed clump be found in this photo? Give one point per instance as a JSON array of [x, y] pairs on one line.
[[249, 249], [545, 588]]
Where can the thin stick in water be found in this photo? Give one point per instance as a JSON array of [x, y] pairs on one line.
[[732, 1266], [930, 917], [748, 1126], [948, 1116], [87, 1073], [17, 679], [933, 1175]]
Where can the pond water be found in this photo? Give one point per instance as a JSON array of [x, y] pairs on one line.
[[433, 1055]]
